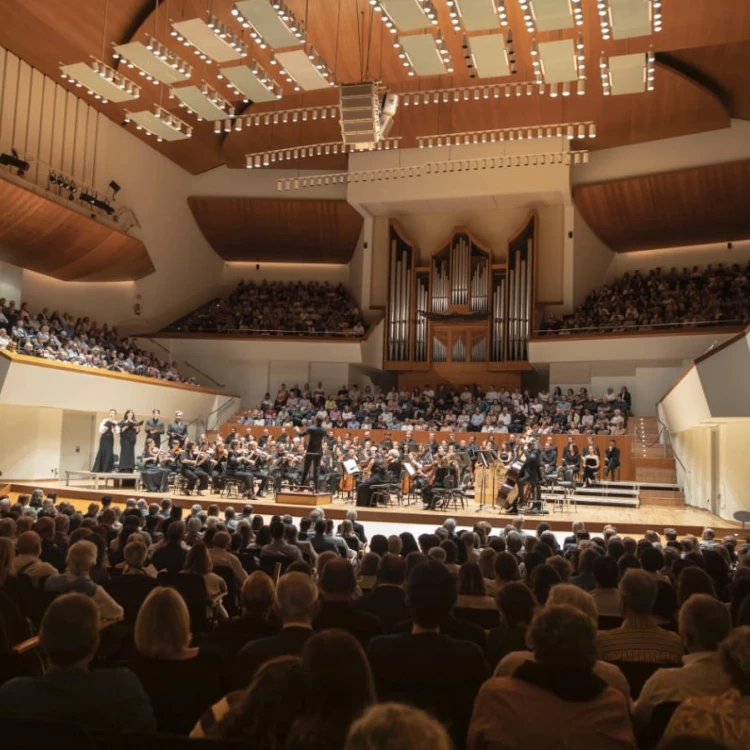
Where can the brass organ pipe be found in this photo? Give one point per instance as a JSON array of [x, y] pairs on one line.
[[521, 309], [392, 303]]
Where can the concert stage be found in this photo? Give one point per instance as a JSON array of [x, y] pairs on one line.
[[628, 520]]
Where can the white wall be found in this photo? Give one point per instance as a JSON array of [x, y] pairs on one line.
[[30, 442], [669, 154], [591, 259], [77, 443], [11, 282]]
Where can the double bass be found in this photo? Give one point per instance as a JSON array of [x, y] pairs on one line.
[[507, 495]]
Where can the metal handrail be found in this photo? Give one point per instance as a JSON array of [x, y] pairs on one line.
[[185, 362], [663, 430], [636, 327], [268, 332]]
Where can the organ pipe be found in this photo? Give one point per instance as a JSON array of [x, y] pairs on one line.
[[422, 306], [399, 300]]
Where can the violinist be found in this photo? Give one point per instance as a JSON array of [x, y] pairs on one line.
[[155, 475], [219, 469], [258, 466], [236, 461], [190, 469], [129, 429]]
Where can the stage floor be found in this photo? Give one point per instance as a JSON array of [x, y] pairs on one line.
[[685, 519]]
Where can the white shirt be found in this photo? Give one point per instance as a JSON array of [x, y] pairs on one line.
[[700, 675]]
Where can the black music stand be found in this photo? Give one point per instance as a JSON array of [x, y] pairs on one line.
[[487, 459]]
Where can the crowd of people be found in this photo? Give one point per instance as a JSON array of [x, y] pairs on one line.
[[469, 409], [714, 295], [314, 635], [275, 308], [80, 341]]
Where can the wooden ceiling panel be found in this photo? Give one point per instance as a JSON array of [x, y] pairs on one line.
[[45, 236], [687, 207], [357, 47], [278, 231], [722, 68]]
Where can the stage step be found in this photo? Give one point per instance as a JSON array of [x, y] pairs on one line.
[[628, 501], [673, 498]]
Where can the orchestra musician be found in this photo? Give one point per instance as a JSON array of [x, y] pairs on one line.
[[129, 429], [315, 435], [155, 476], [531, 474], [572, 460], [590, 466], [218, 471], [257, 466], [611, 460], [177, 430], [105, 457], [438, 472], [549, 458], [236, 460], [155, 427], [373, 473], [191, 461]]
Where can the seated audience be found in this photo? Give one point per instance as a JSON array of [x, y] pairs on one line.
[[182, 682], [222, 556], [337, 609], [556, 700], [516, 605], [723, 717], [109, 700], [278, 545], [259, 716], [410, 667], [387, 601], [394, 726], [659, 300], [77, 578], [28, 562], [605, 593], [295, 603], [61, 338], [639, 638], [339, 688], [276, 308], [704, 624], [171, 553]]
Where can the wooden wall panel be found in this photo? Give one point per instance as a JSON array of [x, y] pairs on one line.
[[45, 236], [686, 207], [279, 231]]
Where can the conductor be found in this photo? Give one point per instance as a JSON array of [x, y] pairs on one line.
[[315, 436]]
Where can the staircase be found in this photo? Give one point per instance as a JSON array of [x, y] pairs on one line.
[[654, 464]]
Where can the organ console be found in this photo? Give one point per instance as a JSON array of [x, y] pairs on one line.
[[460, 305]]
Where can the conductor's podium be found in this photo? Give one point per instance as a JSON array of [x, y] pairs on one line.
[[303, 497]]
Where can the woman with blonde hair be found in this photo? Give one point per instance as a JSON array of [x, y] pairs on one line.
[[182, 682], [393, 726]]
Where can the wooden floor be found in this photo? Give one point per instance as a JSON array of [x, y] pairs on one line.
[[626, 520]]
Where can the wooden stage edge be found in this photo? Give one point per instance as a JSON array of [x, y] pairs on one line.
[[686, 519]]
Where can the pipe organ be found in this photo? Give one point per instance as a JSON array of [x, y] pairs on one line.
[[460, 306]]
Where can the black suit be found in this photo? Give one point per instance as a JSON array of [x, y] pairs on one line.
[[289, 642], [359, 530], [431, 671], [455, 627], [387, 603], [611, 461], [362, 625]]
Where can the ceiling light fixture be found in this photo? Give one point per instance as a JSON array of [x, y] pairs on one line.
[[100, 81], [266, 158]]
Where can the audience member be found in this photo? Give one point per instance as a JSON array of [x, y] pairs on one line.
[[394, 726], [181, 682], [704, 624], [109, 700], [295, 602], [516, 605], [387, 601], [722, 717], [410, 667], [339, 688]]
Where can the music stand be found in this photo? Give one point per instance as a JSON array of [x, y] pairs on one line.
[[743, 516], [488, 459]]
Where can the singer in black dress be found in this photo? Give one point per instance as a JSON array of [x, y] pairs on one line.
[[105, 457], [129, 430]]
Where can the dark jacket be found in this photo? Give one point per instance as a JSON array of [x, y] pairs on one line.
[[387, 603], [289, 642], [333, 614]]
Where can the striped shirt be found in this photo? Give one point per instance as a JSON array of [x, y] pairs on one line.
[[640, 640]]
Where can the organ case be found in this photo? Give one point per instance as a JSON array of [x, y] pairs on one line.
[[462, 308]]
